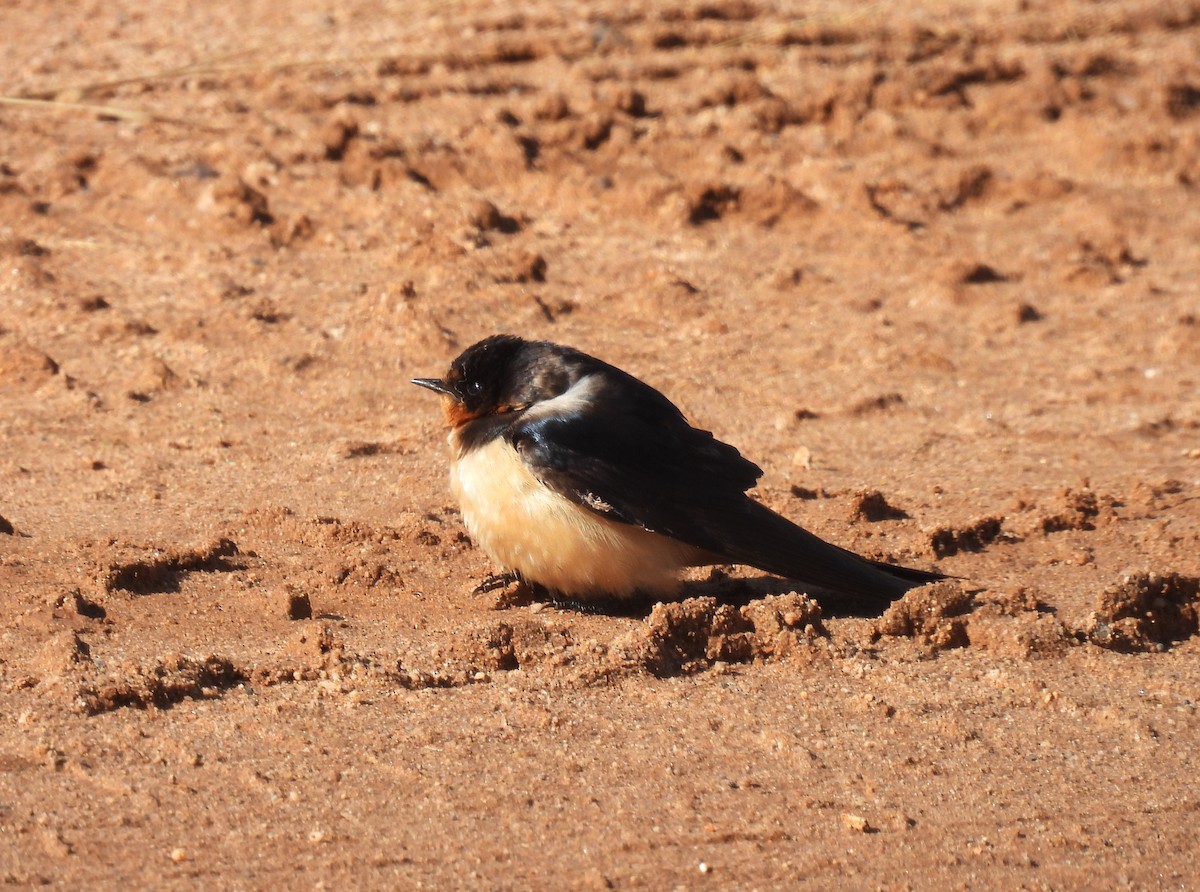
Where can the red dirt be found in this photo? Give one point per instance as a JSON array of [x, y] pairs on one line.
[[934, 268]]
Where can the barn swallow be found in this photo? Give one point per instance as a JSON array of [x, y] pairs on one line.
[[590, 483]]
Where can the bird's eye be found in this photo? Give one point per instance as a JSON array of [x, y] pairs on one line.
[[472, 388]]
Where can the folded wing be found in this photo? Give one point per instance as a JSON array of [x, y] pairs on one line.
[[632, 457]]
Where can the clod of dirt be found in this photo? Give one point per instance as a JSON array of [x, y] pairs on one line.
[[288, 230], [1025, 636], [520, 266], [932, 614], [518, 642], [871, 506], [1102, 260], [1018, 623], [727, 88], [913, 201], [688, 636], [975, 536], [552, 310], [787, 278], [496, 645], [161, 573], [1014, 602], [551, 106], [595, 130], [74, 172], [75, 602], [1182, 101], [1027, 312], [62, 652], [881, 403], [336, 136], [681, 637], [711, 203], [1079, 511], [484, 216], [857, 824], [1154, 496], [628, 100], [21, 247], [781, 621], [294, 603], [803, 492], [311, 651], [363, 448], [232, 197], [316, 642], [23, 366], [150, 378], [162, 684], [977, 274], [27, 270], [774, 201], [1146, 612]]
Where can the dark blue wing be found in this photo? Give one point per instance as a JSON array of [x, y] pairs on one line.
[[628, 453]]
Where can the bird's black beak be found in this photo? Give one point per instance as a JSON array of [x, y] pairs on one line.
[[437, 385]]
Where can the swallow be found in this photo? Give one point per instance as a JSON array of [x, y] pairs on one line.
[[580, 478]]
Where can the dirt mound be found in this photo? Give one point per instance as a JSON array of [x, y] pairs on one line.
[[1146, 612], [932, 614], [693, 634]]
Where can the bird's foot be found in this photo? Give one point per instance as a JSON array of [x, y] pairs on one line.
[[496, 581], [509, 589]]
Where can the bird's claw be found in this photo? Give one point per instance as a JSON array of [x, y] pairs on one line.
[[496, 581]]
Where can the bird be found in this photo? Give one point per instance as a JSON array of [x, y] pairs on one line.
[[578, 477]]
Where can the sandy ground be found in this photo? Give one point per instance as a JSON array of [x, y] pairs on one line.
[[934, 268]]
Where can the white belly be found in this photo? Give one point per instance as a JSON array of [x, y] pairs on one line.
[[525, 526]]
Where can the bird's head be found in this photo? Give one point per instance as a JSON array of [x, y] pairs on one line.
[[500, 375]]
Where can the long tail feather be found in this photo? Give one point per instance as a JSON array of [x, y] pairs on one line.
[[773, 543]]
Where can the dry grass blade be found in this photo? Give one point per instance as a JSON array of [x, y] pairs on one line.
[[107, 111], [69, 98], [82, 91], [246, 61]]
